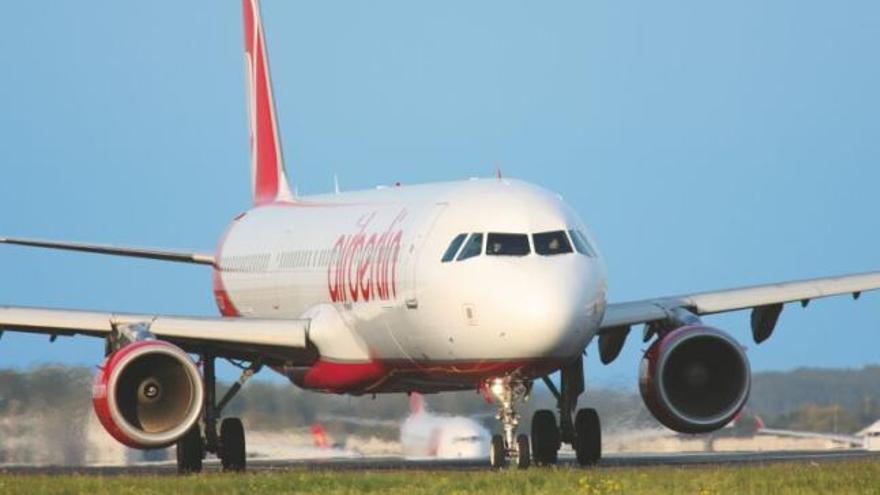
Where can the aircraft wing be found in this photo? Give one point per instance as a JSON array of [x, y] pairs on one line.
[[849, 440], [156, 254], [765, 301], [722, 301], [272, 341]]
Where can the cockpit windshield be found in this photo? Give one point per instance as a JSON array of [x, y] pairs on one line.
[[466, 246], [473, 248], [552, 243], [453, 248], [470, 439], [508, 245], [582, 244]]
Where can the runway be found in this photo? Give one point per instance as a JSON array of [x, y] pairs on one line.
[[612, 461]]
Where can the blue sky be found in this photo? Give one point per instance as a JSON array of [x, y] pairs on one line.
[[707, 144]]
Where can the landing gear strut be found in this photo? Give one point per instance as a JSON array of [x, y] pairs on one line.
[[582, 431], [509, 448], [229, 444]]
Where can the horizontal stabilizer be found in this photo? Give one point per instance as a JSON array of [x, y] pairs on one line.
[[155, 254]]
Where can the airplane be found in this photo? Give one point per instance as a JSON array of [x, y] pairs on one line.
[[871, 437], [487, 285], [424, 435]]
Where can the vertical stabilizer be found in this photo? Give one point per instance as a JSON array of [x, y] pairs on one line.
[[319, 436], [417, 404], [267, 166]]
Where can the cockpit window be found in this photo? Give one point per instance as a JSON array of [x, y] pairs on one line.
[[453, 248], [471, 439], [473, 248], [552, 243], [582, 244], [508, 245]]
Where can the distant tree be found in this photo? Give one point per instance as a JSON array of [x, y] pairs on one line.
[[819, 418], [774, 393]]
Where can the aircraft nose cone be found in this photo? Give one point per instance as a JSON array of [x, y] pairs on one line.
[[548, 309], [555, 316], [534, 308]]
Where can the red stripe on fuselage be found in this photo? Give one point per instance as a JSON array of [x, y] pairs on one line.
[[370, 376], [221, 297], [342, 377]]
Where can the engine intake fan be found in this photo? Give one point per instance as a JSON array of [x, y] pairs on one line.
[[148, 394], [695, 379]]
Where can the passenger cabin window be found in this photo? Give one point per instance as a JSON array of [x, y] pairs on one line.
[[508, 245], [582, 244], [453, 248], [552, 243], [473, 248]]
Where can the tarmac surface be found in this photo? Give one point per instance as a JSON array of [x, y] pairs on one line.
[[400, 464]]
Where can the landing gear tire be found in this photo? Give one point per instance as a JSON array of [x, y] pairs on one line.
[[498, 453], [523, 453], [588, 439], [545, 438], [232, 443], [190, 451]]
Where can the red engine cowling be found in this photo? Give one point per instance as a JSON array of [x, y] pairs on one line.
[[148, 394], [695, 379]]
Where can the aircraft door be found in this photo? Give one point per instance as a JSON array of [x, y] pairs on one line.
[[403, 323], [412, 254]]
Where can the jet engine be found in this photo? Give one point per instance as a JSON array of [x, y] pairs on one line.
[[695, 379], [148, 394]]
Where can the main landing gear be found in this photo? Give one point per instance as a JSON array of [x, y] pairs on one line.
[[584, 434], [547, 438], [582, 430], [229, 444]]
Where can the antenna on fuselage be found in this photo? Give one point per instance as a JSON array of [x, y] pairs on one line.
[[336, 183]]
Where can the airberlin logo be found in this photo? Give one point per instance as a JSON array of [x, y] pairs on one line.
[[364, 264]]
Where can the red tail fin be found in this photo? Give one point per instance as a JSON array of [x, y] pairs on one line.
[[416, 403], [267, 166], [320, 436]]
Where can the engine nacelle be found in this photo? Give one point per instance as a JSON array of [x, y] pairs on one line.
[[148, 394], [696, 379]]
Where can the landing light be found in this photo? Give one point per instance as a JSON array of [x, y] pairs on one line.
[[497, 387]]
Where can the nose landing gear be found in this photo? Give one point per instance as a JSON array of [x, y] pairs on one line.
[[582, 430], [509, 447]]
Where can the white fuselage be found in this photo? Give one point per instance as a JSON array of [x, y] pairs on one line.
[[374, 257]]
